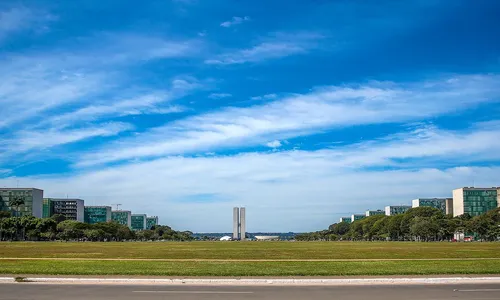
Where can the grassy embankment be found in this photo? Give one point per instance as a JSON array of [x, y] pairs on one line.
[[250, 258]]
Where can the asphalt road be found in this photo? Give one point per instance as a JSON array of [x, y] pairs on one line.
[[24, 291]]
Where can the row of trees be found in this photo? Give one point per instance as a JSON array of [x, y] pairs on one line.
[[29, 228], [417, 224]]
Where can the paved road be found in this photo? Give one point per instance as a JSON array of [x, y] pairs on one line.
[[25, 291]]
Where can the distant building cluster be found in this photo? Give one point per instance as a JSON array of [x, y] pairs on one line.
[[73, 209], [468, 200]]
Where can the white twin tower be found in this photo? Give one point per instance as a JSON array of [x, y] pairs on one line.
[[239, 226]]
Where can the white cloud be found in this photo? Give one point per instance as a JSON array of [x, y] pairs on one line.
[[235, 21], [301, 115], [280, 45], [33, 83], [274, 144], [15, 19], [426, 145], [4, 172], [219, 95], [130, 47], [283, 191], [265, 97], [143, 104], [25, 140], [62, 96]]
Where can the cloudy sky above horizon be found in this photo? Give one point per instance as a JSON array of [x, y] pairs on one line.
[[301, 111]]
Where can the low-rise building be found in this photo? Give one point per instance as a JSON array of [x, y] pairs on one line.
[[370, 213], [396, 209], [443, 204], [31, 197], [138, 221], [97, 214], [123, 217], [475, 201], [151, 221], [346, 219], [357, 217], [72, 209]]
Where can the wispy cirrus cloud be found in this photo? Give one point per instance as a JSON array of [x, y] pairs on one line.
[[235, 21], [277, 46], [219, 95], [24, 140], [265, 97], [153, 103], [80, 90], [300, 115], [20, 18], [35, 82]]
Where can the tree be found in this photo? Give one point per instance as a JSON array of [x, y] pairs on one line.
[[5, 214], [69, 230], [379, 229], [16, 201], [124, 233], [424, 228], [58, 218], [417, 212], [94, 235], [340, 228], [394, 227]]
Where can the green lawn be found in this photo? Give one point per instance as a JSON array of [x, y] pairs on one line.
[[76, 267], [420, 258], [251, 250]]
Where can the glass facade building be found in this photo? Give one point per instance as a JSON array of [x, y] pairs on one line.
[[72, 209], [475, 201], [47, 208], [370, 213], [32, 206], [123, 217], [97, 214], [357, 217], [138, 221], [396, 210], [442, 204], [346, 219], [151, 221]]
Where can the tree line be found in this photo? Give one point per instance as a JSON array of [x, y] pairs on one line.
[[29, 228], [417, 224]]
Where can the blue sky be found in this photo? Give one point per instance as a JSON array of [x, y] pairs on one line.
[[302, 111]]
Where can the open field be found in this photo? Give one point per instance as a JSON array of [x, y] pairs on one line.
[[249, 258], [227, 268], [250, 250]]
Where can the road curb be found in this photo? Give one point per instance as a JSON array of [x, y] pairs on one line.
[[256, 281]]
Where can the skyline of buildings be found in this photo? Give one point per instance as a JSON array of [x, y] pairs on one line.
[[471, 200], [71, 208]]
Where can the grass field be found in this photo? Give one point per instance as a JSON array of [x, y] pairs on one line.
[[250, 258]]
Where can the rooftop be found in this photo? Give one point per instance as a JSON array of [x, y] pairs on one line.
[[479, 188], [18, 189]]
